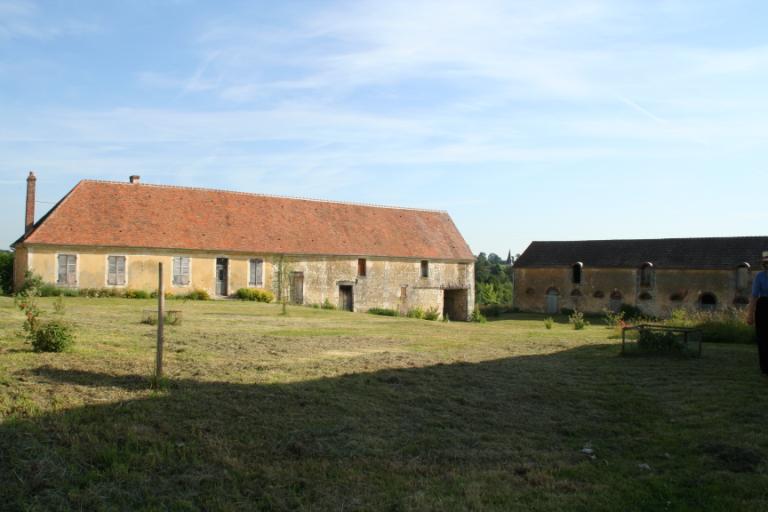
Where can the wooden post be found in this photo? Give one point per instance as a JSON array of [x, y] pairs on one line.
[[160, 322]]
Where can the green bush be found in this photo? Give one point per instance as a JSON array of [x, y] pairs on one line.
[[416, 312], [725, 326], [432, 314], [726, 331], [327, 305], [31, 282], [631, 313], [136, 294], [549, 322], [169, 318], [577, 320], [255, 295], [6, 273], [477, 316], [658, 342], [52, 336], [196, 294], [382, 311], [613, 320]]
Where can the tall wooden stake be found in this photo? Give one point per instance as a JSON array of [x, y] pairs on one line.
[[160, 322]]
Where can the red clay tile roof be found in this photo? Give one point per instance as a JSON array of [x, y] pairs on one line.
[[97, 213]]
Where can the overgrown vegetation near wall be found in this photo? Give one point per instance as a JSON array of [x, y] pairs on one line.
[[6, 273]]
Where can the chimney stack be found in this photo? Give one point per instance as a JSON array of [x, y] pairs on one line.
[[29, 219], [134, 179]]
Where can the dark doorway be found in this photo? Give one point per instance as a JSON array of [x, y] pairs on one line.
[[455, 305], [297, 287], [708, 301], [346, 298], [222, 277]]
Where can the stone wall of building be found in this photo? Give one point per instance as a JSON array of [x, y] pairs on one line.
[[606, 288], [387, 283]]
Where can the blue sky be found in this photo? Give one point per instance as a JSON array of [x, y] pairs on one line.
[[549, 120]]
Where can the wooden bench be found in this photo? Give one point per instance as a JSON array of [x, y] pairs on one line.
[[684, 331]]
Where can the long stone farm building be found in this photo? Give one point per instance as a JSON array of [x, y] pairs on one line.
[[657, 275], [113, 235]]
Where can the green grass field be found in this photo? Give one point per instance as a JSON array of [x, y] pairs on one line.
[[326, 410]]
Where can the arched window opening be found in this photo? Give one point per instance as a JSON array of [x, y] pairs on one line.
[[708, 301], [530, 291], [646, 274], [742, 276], [645, 296], [678, 296], [598, 294], [576, 272], [740, 302]]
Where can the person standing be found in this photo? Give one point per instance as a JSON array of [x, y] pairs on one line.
[[757, 313]]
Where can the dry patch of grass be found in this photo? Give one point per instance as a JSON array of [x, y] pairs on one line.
[[326, 410]]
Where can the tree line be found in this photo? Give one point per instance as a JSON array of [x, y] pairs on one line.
[[494, 283]]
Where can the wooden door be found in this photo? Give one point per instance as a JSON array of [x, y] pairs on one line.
[[297, 287], [552, 303], [222, 277], [346, 298]]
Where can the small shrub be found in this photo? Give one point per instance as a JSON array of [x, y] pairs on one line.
[[196, 294], [168, 295], [327, 305], [6, 273], [631, 313], [416, 312], [169, 318], [31, 281], [58, 306], [255, 295], [549, 322], [432, 314], [477, 316], [578, 321], [53, 336], [657, 342], [136, 294], [382, 311], [26, 301], [613, 319]]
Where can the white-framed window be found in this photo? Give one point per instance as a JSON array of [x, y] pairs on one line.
[[181, 270], [256, 272], [116, 271], [67, 270]]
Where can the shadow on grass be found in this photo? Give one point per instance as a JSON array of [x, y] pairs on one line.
[[503, 434]]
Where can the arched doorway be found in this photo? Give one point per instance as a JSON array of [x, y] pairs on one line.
[[553, 301]]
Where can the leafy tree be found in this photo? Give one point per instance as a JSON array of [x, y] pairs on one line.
[[493, 279], [6, 272]]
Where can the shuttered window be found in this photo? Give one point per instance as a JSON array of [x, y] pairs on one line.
[[362, 267], [116, 270], [181, 270], [67, 275], [257, 273]]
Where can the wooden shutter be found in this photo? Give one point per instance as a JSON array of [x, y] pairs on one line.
[[111, 270], [257, 271], [62, 270], [120, 270], [71, 269]]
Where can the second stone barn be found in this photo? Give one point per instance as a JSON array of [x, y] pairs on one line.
[[657, 276], [113, 235]]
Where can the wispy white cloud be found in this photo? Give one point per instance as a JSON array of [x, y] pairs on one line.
[[23, 19]]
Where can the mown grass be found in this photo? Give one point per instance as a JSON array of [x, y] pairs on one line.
[[326, 410]]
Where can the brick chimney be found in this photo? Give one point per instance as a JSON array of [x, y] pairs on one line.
[[29, 219], [134, 179]]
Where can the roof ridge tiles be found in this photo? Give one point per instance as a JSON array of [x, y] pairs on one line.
[[272, 196]]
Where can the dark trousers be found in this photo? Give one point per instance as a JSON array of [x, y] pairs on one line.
[[761, 328]]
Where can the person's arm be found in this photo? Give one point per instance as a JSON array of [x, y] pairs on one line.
[[751, 310], [753, 300]]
